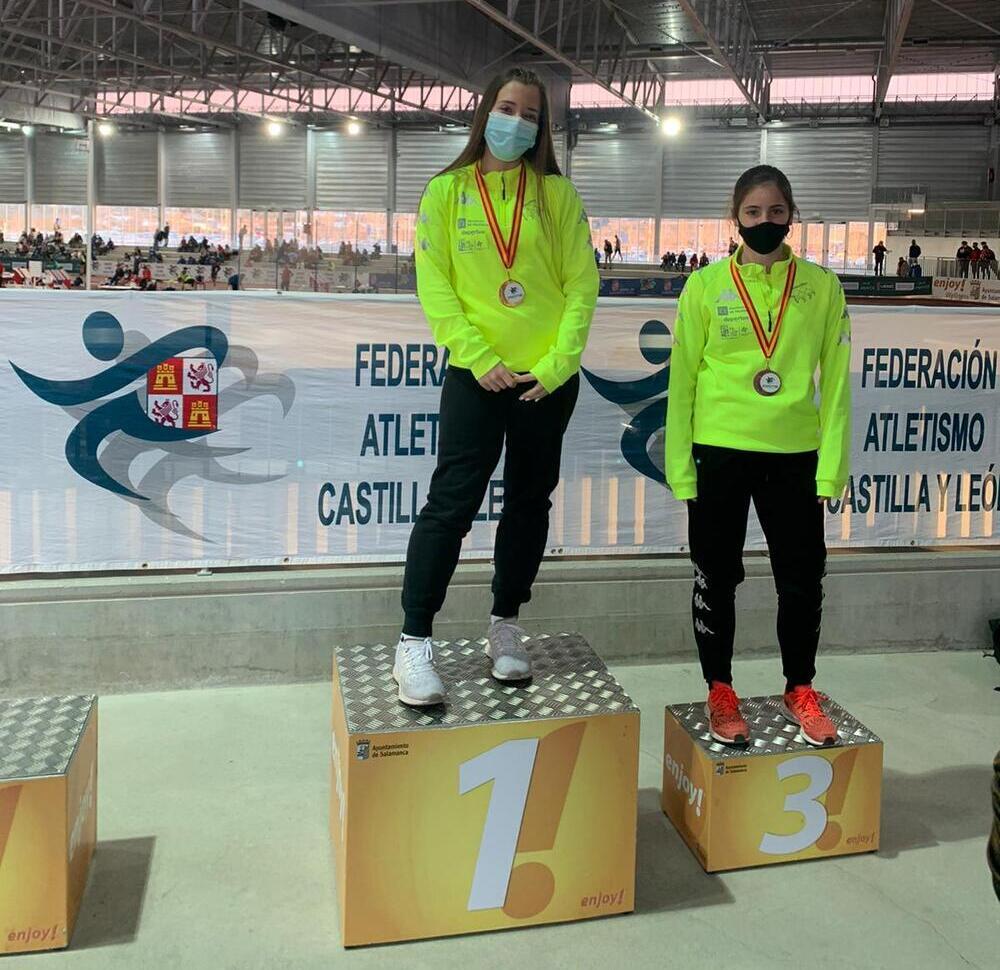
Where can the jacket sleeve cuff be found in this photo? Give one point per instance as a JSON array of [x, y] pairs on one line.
[[547, 375], [684, 490], [484, 365], [828, 489]]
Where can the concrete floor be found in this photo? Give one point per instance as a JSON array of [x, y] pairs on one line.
[[214, 848]]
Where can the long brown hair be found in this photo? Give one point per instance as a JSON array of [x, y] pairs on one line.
[[541, 157]]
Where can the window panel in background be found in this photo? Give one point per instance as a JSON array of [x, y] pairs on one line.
[[403, 227], [670, 236], [213, 224], [127, 225], [814, 242], [857, 246], [361, 229], [636, 235], [12, 220], [710, 239], [794, 238], [837, 247], [72, 218], [687, 236]]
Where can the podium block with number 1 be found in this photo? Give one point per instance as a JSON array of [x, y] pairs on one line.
[[506, 807], [777, 800]]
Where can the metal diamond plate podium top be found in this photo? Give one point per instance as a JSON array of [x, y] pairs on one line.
[[569, 680], [39, 735], [770, 732]]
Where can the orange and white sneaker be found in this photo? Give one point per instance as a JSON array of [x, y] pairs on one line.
[[725, 723], [803, 706]]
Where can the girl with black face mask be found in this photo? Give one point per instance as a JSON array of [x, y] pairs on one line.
[[743, 425]]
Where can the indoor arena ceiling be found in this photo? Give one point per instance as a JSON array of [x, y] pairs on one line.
[[429, 57]]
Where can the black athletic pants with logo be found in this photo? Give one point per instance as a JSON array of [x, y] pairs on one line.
[[783, 490], [474, 425]]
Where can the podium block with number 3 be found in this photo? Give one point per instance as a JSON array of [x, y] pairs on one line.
[[506, 807], [777, 800]]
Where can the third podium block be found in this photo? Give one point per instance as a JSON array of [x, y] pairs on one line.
[[505, 807], [776, 800]]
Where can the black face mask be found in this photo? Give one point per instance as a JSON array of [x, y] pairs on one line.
[[765, 237]]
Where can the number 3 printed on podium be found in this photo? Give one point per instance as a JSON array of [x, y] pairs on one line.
[[509, 767], [820, 774]]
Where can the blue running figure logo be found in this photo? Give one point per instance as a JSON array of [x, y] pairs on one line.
[[122, 426], [104, 339], [644, 401]]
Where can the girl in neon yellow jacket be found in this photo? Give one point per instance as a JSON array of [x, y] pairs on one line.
[[507, 281], [743, 425]]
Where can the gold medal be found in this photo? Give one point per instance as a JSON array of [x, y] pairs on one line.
[[765, 382], [511, 292]]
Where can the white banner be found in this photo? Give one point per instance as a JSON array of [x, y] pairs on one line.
[[972, 290], [179, 429]]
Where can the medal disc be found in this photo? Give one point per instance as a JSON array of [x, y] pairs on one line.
[[512, 293], [767, 383]]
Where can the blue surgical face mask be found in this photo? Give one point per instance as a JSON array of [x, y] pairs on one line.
[[509, 137]]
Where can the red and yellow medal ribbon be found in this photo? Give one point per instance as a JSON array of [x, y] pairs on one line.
[[506, 247], [767, 341]]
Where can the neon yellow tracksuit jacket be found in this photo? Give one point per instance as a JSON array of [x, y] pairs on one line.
[[715, 356], [459, 274]]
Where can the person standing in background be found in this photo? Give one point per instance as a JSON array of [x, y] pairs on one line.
[[963, 256], [879, 252], [914, 252], [733, 245], [974, 259], [608, 250], [746, 424], [988, 259], [618, 249]]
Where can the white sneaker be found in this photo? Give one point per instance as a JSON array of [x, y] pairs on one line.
[[419, 683], [505, 647]]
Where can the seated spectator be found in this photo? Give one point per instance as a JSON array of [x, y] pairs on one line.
[[902, 268]]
